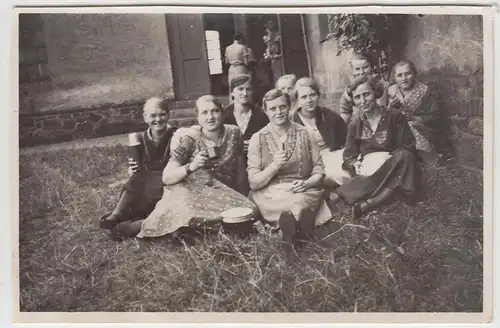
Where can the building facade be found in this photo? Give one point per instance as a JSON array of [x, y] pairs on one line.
[[83, 75]]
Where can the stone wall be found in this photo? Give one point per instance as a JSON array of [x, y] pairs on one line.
[[111, 119], [93, 60], [448, 52]]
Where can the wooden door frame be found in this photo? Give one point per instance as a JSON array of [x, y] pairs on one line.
[[177, 75]]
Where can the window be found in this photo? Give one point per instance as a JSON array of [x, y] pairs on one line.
[[213, 52]]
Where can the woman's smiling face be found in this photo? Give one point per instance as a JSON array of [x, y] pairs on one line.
[[156, 118], [361, 67], [277, 111], [364, 97]]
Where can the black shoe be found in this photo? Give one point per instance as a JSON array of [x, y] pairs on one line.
[[356, 211], [106, 223], [124, 230]]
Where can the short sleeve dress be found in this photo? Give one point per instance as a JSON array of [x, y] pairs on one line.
[[304, 160], [193, 201]]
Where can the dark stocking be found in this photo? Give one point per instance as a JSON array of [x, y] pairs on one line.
[[126, 206], [288, 226], [306, 226], [126, 203]]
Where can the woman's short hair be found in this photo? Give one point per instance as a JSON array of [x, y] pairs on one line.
[[362, 55], [274, 94], [372, 81], [208, 99], [302, 82], [400, 63], [157, 102], [307, 82], [286, 77], [239, 80]]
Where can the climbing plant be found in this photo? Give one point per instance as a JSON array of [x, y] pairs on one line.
[[369, 33]]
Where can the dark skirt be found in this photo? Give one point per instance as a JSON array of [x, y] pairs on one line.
[[146, 189], [400, 172]]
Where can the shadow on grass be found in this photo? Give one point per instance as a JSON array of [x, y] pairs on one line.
[[422, 259]]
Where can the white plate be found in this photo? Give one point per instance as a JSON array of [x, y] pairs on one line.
[[237, 212]]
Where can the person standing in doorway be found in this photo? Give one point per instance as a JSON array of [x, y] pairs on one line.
[[238, 57]]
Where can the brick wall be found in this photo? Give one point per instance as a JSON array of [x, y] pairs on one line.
[[110, 119]]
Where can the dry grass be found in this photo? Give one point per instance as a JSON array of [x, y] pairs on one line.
[[68, 264]]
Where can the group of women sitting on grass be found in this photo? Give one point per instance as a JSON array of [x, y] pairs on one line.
[[289, 162]]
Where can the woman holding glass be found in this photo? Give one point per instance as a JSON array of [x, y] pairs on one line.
[[285, 173], [202, 178]]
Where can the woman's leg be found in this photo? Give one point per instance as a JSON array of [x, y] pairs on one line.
[[288, 226], [332, 199], [306, 224], [122, 212], [371, 203]]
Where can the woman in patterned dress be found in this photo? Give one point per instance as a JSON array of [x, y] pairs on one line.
[[198, 186], [325, 127], [416, 101], [285, 172], [379, 153]]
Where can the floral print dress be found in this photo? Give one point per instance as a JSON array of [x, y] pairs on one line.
[[205, 194], [420, 102]]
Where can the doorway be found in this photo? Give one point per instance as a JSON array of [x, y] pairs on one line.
[[219, 33]]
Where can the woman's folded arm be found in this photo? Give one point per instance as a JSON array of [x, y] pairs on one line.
[[258, 178]]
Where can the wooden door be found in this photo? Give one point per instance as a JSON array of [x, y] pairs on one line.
[[293, 47], [188, 55]]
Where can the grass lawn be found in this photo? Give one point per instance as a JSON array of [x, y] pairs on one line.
[[68, 264]]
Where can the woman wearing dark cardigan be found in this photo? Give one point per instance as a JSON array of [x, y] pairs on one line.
[[379, 153], [324, 126], [144, 187], [243, 112]]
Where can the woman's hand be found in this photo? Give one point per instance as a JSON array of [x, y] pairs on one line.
[[279, 158], [357, 167], [198, 161], [299, 186], [418, 119], [395, 103], [245, 146], [133, 167]]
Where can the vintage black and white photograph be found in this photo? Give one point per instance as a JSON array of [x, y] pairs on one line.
[[273, 161]]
